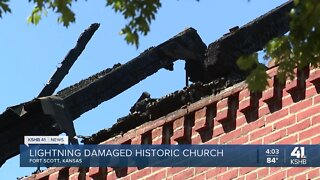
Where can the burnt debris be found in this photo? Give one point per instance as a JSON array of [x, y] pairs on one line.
[[157, 108], [211, 70], [68, 61], [221, 55], [142, 102], [187, 46]]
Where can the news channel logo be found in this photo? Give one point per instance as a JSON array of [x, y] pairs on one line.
[[298, 156]]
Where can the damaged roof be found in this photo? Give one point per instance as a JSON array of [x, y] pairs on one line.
[[211, 69]]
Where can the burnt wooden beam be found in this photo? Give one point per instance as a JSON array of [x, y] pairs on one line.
[[68, 61], [222, 54], [29, 118], [187, 46]]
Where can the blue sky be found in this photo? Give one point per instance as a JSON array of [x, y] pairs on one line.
[[29, 54]]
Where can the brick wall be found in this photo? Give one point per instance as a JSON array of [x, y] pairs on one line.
[[282, 114]]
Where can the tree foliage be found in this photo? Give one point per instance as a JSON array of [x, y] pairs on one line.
[[299, 48], [139, 14]]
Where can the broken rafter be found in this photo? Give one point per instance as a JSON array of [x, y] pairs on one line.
[[29, 118], [222, 54], [186, 45], [68, 61]]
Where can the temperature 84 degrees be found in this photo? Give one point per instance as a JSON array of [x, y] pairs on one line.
[[272, 160]]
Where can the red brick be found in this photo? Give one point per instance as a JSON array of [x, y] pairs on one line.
[[316, 99], [296, 170], [252, 175], [290, 178], [246, 170], [278, 176], [308, 112], [154, 169], [141, 173], [298, 126], [305, 142], [315, 120], [274, 169], [314, 75], [213, 141], [301, 177], [274, 136], [184, 174], [230, 174], [157, 141], [244, 94], [277, 115], [241, 140], [218, 130], [273, 71], [199, 123], [222, 103], [239, 178], [263, 172], [292, 84], [315, 140], [177, 134], [258, 141], [73, 170], [131, 169], [156, 132], [174, 170], [241, 121], [94, 172], [267, 94], [178, 123], [123, 178], [287, 100], [263, 111], [310, 92], [54, 176], [200, 170], [199, 177], [230, 135], [74, 176], [215, 172], [285, 122], [200, 114], [309, 133], [260, 132], [252, 126], [158, 175], [244, 104], [301, 105], [289, 140], [222, 115], [136, 140], [196, 139], [314, 174]]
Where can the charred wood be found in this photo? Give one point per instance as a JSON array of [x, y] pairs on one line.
[[68, 61]]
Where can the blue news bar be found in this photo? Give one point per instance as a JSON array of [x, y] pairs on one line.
[[170, 155]]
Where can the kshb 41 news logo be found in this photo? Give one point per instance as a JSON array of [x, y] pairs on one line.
[[298, 156]]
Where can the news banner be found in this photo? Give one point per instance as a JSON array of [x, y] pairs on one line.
[[53, 151]]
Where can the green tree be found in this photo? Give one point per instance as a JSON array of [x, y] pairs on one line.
[[299, 48]]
